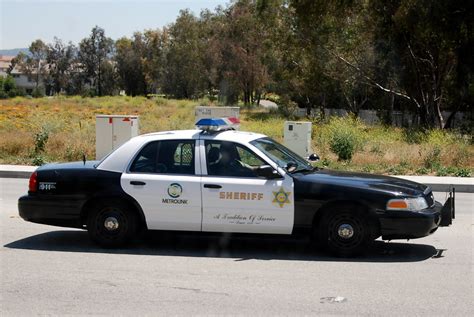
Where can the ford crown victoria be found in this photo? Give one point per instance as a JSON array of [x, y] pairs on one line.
[[216, 179]]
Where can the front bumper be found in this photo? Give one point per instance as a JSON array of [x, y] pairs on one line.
[[412, 225]]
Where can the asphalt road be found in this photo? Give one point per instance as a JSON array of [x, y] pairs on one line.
[[47, 270]]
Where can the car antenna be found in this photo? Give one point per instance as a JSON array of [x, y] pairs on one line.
[[84, 158]]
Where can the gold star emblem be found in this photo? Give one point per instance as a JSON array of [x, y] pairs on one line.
[[281, 197]]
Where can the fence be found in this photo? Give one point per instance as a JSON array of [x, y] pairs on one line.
[[398, 118]]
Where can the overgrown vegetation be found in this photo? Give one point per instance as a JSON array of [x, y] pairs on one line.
[[34, 131]]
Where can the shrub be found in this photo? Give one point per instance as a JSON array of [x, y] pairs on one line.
[[442, 171], [463, 172], [345, 137], [38, 92], [38, 160], [41, 138], [433, 158], [414, 136], [422, 171], [343, 143]]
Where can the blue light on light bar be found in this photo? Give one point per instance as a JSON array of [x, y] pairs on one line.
[[211, 122], [217, 124]]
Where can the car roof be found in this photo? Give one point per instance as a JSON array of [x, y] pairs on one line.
[[227, 135]]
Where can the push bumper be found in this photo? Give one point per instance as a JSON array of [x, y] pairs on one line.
[[63, 213], [412, 225]]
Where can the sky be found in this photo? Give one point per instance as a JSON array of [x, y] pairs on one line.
[[23, 21]]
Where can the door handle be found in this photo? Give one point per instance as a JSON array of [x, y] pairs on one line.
[[212, 186], [138, 183]]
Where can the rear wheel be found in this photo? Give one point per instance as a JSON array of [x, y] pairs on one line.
[[111, 225], [344, 231]]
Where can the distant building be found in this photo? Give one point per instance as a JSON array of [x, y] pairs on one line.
[[22, 80], [5, 62]]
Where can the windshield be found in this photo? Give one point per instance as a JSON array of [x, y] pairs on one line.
[[281, 155]]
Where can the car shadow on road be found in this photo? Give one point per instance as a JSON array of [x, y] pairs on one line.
[[237, 247]]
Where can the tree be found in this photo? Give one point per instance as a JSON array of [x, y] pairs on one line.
[[93, 55], [8, 87], [241, 45], [155, 45], [129, 65], [60, 59], [430, 40], [184, 72], [34, 65]]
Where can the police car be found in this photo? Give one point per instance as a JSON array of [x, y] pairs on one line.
[[217, 179]]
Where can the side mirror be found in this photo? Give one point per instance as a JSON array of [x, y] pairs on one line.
[[313, 157], [267, 171]]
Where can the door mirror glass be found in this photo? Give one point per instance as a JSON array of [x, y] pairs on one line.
[[267, 171], [313, 157]]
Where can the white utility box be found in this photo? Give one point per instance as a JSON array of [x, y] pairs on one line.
[[297, 137], [111, 131], [216, 112]]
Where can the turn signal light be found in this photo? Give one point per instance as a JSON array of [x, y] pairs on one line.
[[397, 204], [33, 185]]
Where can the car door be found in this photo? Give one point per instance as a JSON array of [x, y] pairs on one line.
[[164, 179], [235, 199]]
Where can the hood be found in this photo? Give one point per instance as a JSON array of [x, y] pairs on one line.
[[67, 166], [380, 183]]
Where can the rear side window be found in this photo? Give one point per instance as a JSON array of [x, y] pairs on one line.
[[165, 157]]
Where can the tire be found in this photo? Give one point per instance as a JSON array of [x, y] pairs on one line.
[[344, 231], [111, 224]]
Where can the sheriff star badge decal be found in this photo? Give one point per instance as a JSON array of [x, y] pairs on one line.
[[281, 197]]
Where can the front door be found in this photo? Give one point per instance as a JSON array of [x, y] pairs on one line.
[[163, 180], [235, 199]]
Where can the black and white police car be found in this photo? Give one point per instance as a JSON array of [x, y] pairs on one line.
[[217, 179]]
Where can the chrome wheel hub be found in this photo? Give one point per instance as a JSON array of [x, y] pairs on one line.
[[345, 231], [111, 223]]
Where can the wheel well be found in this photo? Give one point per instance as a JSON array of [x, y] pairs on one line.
[[87, 207], [361, 207]]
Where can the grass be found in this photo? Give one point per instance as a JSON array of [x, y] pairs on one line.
[[69, 126]]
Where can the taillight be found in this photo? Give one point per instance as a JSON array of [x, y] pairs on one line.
[[33, 186]]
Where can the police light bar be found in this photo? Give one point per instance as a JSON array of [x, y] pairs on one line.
[[218, 124]]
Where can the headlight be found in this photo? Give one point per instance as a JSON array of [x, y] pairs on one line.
[[411, 204]]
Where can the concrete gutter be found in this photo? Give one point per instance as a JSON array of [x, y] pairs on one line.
[[437, 183]]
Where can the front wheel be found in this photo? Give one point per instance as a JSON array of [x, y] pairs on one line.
[[344, 232], [111, 224]]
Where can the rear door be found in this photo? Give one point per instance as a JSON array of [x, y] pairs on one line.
[[164, 179], [236, 200]]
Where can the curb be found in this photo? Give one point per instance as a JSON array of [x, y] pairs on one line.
[[438, 184], [16, 171], [444, 184]]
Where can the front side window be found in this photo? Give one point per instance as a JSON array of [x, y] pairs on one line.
[[231, 159], [281, 155], [165, 157]]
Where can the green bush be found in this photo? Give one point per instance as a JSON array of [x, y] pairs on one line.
[[38, 160], [8, 87], [463, 172], [343, 144], [346, 137], [41, 138]]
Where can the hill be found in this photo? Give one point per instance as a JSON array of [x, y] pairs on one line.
[[13, 51]]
